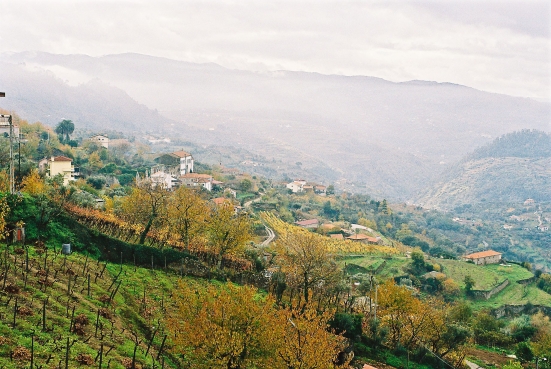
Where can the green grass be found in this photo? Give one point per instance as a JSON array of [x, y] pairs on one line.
[[130, 317], [485, 276], [393, 267], [515, 294]]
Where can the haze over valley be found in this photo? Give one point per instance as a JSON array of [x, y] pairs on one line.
[[363, 133]]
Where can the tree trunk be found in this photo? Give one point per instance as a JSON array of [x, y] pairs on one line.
[[146, 230]]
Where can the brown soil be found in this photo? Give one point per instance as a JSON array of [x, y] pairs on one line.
[[489, 358]]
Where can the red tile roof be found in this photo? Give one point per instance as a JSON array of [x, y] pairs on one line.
[[62, 158], [358, 236], [337, 236], [361, 237], [482, 254], [307, 222], [181, 154], [219, 200]]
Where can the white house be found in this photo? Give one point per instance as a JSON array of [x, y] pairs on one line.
[[196, 180], [5, 130], [186, 162], [100, 140], [167, 180], [180, 161], [484, 257], [296, 186], [61, 165]]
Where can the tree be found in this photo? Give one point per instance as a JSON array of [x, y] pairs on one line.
[[33, 184], [50, 203], [146, 206], [330, 190], [64, 128], [523, 351], [227, 231], [224, 327], [245, 185], [305, 341], [469, 284], [187, 213], [305, 257]]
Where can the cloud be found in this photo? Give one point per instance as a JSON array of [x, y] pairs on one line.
[[496, 46]]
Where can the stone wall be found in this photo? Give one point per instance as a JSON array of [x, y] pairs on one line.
[[516, 310], [487, 294]]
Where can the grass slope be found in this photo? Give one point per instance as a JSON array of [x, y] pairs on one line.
[[486, 277], [130, 321]]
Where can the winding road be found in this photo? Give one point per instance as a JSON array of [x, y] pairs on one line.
[[269, 231]]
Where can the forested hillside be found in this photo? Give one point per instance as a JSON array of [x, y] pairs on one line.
[[515, 167]]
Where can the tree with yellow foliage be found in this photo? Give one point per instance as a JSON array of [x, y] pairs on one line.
[[233, 327], [187, 213], [226, 327], [305, 257], [228, 232], [145, 206], [305, 341], [33, 184]]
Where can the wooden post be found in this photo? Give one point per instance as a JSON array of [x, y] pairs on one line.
[[100, 355], [15, 313], [32, 350], [44, 314], [67, 354], [162, 347], [151, 341], [97, 323], [72, 319], [134, 355]]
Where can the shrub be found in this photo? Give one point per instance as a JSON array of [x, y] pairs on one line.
[[96, 181]]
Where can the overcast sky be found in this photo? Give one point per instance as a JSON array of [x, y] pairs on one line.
[[496, 46]]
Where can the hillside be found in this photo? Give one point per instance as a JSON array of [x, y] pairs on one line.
[[41, 96], [105, 312], [513, 168], [388, 139]]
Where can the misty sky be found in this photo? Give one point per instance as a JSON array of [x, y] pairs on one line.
[[496, 46]]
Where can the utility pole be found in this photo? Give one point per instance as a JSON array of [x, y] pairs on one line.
[[12, 171]]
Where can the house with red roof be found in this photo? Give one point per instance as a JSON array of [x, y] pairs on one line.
[[484, 257], [61, 165]]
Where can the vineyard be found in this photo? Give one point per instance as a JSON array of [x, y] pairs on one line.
[[68, 311], [109, 224], [337, 247]]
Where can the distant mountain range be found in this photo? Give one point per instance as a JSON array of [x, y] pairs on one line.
[[362, 133], [511, 169]]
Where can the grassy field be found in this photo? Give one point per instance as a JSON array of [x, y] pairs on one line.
[[485, 276], [515, 294], [392, 268]]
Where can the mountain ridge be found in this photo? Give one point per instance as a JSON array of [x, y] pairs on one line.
[[390, 137]]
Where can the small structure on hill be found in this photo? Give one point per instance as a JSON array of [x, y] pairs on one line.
[[179, 162], [101, 140], [309, 223], [360, 237], [484, 257], [197, 180], [59, 165]]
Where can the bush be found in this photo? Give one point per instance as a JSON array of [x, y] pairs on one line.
[[96, 181], [125, 179]]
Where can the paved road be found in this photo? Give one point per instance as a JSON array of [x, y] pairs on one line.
[[269, 231], [271, 236]]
